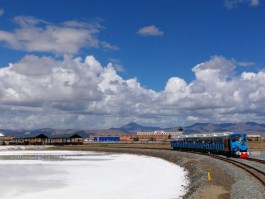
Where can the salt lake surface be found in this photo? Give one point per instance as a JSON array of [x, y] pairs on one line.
[[28, 174]]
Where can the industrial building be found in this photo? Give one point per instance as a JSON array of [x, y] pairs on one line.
[[177, 133], [140, 136], [42, 139], [157, 135]]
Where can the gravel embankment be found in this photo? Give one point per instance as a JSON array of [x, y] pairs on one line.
[[227, 181], [256, 165], [244, 186]]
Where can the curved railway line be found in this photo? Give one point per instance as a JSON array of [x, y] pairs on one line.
[[260, 175], [256, 160], [256, 173]]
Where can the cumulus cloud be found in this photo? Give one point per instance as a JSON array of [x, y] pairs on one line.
[[233, 3], [150, 31], [36, 35], [39, 66], [38, 88], [216, 68], [81, 93], [217, 94]]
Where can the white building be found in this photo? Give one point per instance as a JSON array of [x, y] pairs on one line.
[[178, 133], [253, 137]]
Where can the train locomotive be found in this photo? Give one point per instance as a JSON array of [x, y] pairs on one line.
[[229, 144]]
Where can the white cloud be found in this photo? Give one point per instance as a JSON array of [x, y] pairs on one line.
[[36, 35], [248, 76], [38, 65], [119, 68], [217, 94], [175, 84], [216, 68], [38, 89], [109, 46], [2, 12], [74, 93], [150, 31], [254, 2], [234, 3], [246, 64], [117, 65], [193, 119]]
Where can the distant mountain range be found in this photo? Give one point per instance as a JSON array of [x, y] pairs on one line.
[[248, 127], [132, 128]]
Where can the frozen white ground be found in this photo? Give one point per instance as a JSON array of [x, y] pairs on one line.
[[88, 175]]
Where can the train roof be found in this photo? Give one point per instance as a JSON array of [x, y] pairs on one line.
[[205, 135]]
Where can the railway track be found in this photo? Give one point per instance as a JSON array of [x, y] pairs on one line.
[[256, 160], [260, 175]]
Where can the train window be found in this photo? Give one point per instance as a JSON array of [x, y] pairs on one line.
[[236, 138]]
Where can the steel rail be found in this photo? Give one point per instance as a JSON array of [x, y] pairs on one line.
[[256, 160], [260, 175]]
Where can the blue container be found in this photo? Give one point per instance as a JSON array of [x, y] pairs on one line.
[[106, 139]]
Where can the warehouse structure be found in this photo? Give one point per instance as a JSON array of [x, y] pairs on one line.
[[42, 139]]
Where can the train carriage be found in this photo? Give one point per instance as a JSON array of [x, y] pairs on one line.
[[230, 144]]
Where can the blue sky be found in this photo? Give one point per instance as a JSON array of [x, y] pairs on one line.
[[148, 42], [193, 32]]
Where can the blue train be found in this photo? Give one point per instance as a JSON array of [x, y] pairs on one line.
[[229, 144]]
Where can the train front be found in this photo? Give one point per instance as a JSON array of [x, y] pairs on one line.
[[239, 146]]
